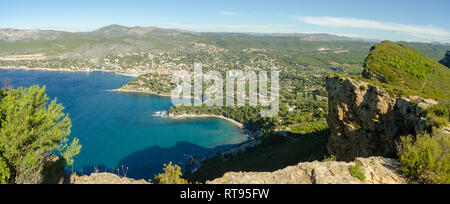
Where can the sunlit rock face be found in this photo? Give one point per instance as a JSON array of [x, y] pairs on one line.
[[366, 121], [377, 170]]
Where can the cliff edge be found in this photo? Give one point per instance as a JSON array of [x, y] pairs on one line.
[[376, 170], [104, 178]]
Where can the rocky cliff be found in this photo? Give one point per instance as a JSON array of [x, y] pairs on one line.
[[376, 170], [366, 121], [446, 60]]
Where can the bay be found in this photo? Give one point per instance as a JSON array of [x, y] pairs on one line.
[[118, 130]]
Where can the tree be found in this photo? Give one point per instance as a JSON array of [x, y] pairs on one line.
[[31, 129], [172, 175]]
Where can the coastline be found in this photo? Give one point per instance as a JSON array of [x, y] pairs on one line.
[[71, 70], [125, 90], [139, 91], [186, 116]]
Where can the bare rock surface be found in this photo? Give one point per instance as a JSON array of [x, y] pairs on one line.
[[377, 170], [104, 178], [366, 121]]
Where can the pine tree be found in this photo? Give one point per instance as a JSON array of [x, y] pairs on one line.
[[31, 130]]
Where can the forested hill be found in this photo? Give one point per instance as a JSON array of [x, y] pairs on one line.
[[407, 71]]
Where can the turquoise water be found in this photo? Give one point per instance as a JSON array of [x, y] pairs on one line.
[[118, 129]]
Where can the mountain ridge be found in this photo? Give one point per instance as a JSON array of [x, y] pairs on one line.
[[109, 31]]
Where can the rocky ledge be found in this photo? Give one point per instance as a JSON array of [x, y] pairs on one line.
[[104, 178], [377, 170]]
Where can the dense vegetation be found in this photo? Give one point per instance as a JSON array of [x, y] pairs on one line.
[[31, 130], [404, 71], [426, 158], [438, 115], [290, 118]]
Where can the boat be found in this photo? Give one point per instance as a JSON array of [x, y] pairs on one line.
[[162, 114]]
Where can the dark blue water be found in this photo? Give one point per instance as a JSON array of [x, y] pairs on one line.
[[118, 129]]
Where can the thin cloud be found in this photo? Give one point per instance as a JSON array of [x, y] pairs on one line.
[[427, 32], [229, 13]]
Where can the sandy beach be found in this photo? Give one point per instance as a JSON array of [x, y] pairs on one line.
[[238, 124]]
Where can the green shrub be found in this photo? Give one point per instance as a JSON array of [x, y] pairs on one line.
[[357, 172], [329, 159], [426, 159], [362, 88], [32, 129], [439, 115], [172, 175], [5, 174]]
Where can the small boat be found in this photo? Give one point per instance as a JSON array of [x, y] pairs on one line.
[[162, 114]]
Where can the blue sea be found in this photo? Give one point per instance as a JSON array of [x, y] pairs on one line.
[[119, 129]]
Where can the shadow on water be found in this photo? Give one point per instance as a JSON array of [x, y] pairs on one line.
[[274, 153], [144, 164]]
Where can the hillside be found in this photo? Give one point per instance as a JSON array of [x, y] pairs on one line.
[[116, 40], [405, 71]]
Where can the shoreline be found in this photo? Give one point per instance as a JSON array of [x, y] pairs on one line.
[[137, 91], [71, 70], [187, 116], [122, 90]]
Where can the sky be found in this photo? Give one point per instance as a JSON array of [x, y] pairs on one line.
[[407, 20]]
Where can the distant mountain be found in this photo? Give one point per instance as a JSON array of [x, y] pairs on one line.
[[317, 48], [112, 31], [407, 71], [117, 31], [446, 60], [123, 31], [315, 37], [11, 35], [433, 50], [300, 36]]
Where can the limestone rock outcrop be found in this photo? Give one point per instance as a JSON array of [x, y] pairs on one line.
[[377, 170], [104, 178], [366, 121]]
